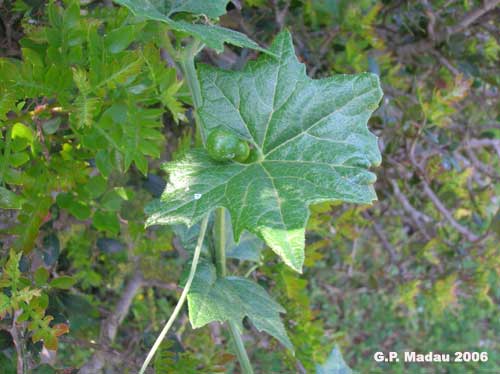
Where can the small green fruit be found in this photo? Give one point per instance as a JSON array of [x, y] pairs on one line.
[[225, 146], [242, 152]]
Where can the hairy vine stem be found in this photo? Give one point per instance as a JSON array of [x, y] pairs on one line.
[[186, 62], [220, 242], [182, 299], [189, 69]]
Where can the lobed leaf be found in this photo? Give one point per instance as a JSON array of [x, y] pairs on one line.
[[310, 140], [231, 299], [213, 36]]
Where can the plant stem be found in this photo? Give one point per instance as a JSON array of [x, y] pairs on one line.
[[189, 70], [220, 242], [182, 299], [220, 265], [246, 367]]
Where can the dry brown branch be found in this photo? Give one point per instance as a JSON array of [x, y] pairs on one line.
[[414, 213], [280, 14], [466, 233], [444, 61], [19, 344], [109, 326], [481, 143], [379, 231], [471, 17]]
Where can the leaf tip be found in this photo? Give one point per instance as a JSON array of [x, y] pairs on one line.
[[296, 263]]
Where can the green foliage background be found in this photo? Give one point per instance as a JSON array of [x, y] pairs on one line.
[[90, 103]]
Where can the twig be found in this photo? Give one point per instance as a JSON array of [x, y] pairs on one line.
[[426, 44], [480, 143], [416, 216], [281, 13], [432, 20], [109, 326], [469, 163], [447, 214], [444, 61], [19, 344], [385, 241], [183, 297], [324, 49], [472, 17], [466, 233], [354, 252], [414, 213], [478, 165]]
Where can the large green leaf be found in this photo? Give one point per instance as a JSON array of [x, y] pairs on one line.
[[213, 36], [231, 299], [312, 141]]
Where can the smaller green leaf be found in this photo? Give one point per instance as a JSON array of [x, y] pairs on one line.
[[51, 126], [106, 221], [22, 136], [77, 208], [335, 364], [4, 304], [41, 276], [27, 294], [104, 163], [96, 186], [51, 249], [81, 80], [42, 302], [121, 71], [7, 102], [10, 200], [64, 282], [18, 159], [111, 201], [125, 194], [85, 109], [213, 36], [231, 299], [119, 39]]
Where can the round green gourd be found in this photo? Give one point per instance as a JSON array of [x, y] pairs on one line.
[[242, 151], [225, 146]]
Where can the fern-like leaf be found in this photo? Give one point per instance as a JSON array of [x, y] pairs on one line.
[[85, 108]]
